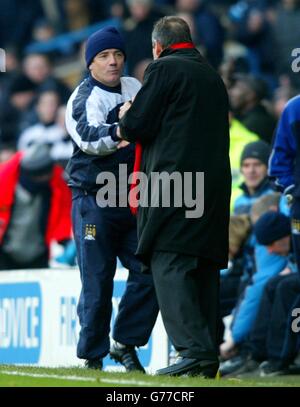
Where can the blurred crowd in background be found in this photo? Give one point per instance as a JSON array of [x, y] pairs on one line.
[[253, 44], [43, 41]]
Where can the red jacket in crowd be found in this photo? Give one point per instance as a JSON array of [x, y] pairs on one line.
[[59, 220]]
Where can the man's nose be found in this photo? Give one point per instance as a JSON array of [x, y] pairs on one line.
[[112, 60]]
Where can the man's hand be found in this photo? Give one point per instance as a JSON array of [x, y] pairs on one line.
[[228, 349], [124, 108], [288, 193], [285, 271], [122, 144]]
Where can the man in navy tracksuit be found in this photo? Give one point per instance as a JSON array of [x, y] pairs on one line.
[[103, 233], [284, 164]]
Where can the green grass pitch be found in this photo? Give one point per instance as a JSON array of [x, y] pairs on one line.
[[21, 376]]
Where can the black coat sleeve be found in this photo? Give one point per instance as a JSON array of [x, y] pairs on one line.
[[143, 119]]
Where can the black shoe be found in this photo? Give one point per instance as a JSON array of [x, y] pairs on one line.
[[239, 365], [232, 365], [294, 369], [126, 355], [273, 368], [190, 367], [96, 364]]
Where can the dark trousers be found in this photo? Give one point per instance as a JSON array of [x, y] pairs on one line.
[[269, 331], [102, 234], [295, 215], [187, 290]]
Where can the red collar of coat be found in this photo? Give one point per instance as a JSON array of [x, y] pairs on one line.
[[180, 45]]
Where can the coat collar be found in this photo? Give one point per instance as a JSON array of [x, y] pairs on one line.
[[180, 46], [263, 186]]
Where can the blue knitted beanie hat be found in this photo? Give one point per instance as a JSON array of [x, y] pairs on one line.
[[106, 38], [272, 226]]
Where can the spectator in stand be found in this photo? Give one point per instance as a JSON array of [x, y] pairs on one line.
[[190, 20], [49, 129], [43, 31], [7, 150], [62, 149], [118, 9], [137, 31], [16, 21], [240, 136], [241, 266], [43, 112], [140, 68], [254, 162], [12, 64], [208, 28], [266, 337], [280, 98], [286, 31], [267, 341], [35, 209], [250, 27], [269, 202], [254, 168], [39, 69], [19, 97], [239, 231], [246, 97], [272, 252]]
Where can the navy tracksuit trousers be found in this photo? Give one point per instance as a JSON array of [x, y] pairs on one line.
[[101, 235]]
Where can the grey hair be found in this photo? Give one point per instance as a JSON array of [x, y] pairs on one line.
[[171, 30]]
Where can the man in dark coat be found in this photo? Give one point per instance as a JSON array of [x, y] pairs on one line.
[[180, 120]]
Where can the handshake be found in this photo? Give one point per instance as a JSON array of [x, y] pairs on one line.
[[123, 109]]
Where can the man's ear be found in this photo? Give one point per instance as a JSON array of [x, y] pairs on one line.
[[157, 49]]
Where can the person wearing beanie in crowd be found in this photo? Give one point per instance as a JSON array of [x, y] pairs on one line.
[[104, 232], [254, 169], [274, 291], [273, 230], [34, 211]]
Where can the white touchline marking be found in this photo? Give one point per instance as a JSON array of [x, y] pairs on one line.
[[84, 379], [137, 382], [48, 376]]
